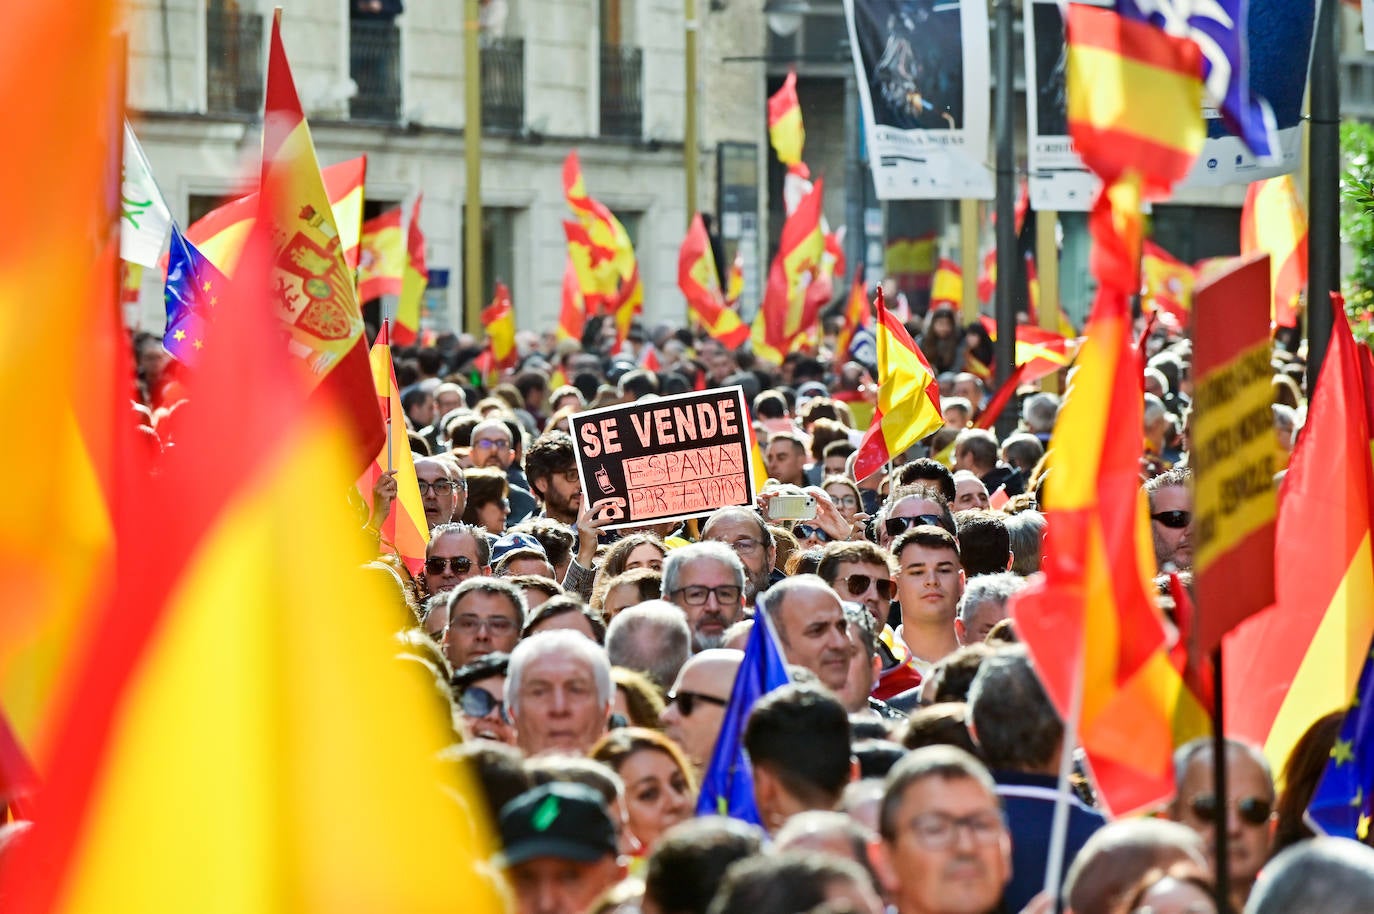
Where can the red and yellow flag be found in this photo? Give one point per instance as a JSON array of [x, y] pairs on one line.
[[383, 262], [1040, 352], [947, 288], [908, 396], [1168, 283], [203, 761], [405, 532], [1293, 663], [499, 320], [605, 258], [785, 130], [855, 314], [1091, 623], [572, 313], [700, 284], [313, 295], [413, 282], [220, 233], [734, 281], [786, 312], [1274, 220]]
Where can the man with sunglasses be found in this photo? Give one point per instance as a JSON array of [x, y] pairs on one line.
[[1248, 814], [480, 688], [455, 553], [441, 490], [912, 506], [696, 703], [485, 615], [1171, 519]]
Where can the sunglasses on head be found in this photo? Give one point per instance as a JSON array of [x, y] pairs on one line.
[[1253, 810], [460, 564], [478, 702], [896, 526], [808, 531], [858, 584], [1174, 520], [686, 701]]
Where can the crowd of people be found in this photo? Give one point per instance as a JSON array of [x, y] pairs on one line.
[[912, 762]]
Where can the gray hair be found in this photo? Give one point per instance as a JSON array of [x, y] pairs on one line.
[[495, 587], [861, 625], [651, 637], [945, 762], [984, 587], [560, 642], [1039, 411], [1154, 409], [1014, 722], [1025, 531], [677, 559], [1321, 876], [477, 533]]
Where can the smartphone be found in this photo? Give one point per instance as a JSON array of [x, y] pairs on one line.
[[791, 507]]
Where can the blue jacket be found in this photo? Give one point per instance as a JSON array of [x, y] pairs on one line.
[[1029, 801]]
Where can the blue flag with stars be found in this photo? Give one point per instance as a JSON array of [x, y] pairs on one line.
[[1341, 803], [727, 789], [193, 288]]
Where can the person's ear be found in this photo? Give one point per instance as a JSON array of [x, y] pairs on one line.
[[881, 861], [959, 630]]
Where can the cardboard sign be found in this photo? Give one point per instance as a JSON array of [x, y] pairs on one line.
[[1235, 452], [665, 459]]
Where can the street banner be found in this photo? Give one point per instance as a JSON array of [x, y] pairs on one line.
[[924, 83], [1235, 451], [665, 459], [1058, 178]]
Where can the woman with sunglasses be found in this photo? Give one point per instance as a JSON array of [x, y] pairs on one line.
[[659, 792], [479, 689]]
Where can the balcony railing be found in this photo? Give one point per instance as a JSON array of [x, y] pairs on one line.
[[1357, 87], [622, 91], [375, 65], [233, 62], [503, 84]]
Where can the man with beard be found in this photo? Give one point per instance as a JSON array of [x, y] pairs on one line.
[[1171, 519], [707, 582], [551, 467], [744, 531], [441, 490]]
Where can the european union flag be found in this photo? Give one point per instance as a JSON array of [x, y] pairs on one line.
[[727, 789], [193, 288], [1342, 801]]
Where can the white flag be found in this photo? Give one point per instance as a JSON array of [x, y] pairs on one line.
[[145, 219]]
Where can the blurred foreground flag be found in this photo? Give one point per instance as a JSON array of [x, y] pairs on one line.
[[1274, 221]]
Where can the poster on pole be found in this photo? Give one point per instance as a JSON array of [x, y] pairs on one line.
[[923, 70], [665, 459], [1234, 450], [1058, 178]]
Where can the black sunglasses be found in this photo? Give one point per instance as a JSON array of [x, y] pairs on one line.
[[1174, 520], [460, 564], [858, 584], [806, 531], [896, 526], [478, 702], [686, 701], [1251, 809]]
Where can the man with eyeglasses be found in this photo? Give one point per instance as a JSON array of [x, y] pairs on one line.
[[494, 446], [947, 848], [485, 615], [1248, 814], [744, 531], [707, 582], [1171, 519], [455, 553], [551, 466], [697, 700], [441, 490], [1021, 736], [480, 687]]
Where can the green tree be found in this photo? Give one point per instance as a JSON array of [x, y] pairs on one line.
[[1357, 225]]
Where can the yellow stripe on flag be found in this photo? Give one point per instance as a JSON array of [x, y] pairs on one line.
[[1118, 93]]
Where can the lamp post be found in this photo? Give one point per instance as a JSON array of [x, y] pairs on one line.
[[472, 159], [689, 132]]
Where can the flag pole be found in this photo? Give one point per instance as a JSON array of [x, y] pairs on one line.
[[386, 410], [1059, 825], [1219, 786]]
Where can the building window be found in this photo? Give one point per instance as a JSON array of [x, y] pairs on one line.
[[503, 84], [233, 59], [375, 60]]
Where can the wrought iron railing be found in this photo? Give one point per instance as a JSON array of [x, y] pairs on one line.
[[503, 84], [233, 61], [375, 65], [622, 91]]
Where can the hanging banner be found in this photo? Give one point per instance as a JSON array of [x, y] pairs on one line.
[[924, 82], [1058, 178], [665, 459], [1279, 35]]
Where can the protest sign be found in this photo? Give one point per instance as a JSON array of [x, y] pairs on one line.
[[1235, 450], [665, 459]]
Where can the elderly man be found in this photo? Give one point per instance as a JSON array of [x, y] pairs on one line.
[[455, 553], [651, 637], [1330, 875], [984, 604], [969, 492], [707, 582], [745, 532], [484, 615], [560, 849], [809, 620], [947, 848], [441, 490], [558, 690], [1247, 814], [696, 703], [1171, 519]]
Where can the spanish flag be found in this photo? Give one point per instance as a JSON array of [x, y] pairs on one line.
[[572, 312], [1039, 352], [1293, 663], [700, 284], [220, 758], [855, 314], [784, 313], [785, 130], [404, 532], [947, 288], [220, 233], [413, 282], [611, 273], [382, 264], [1273, 220], [1091, 623], [499, 320], [1168, 283], [313, 296], [734, 280], [908, 396]]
